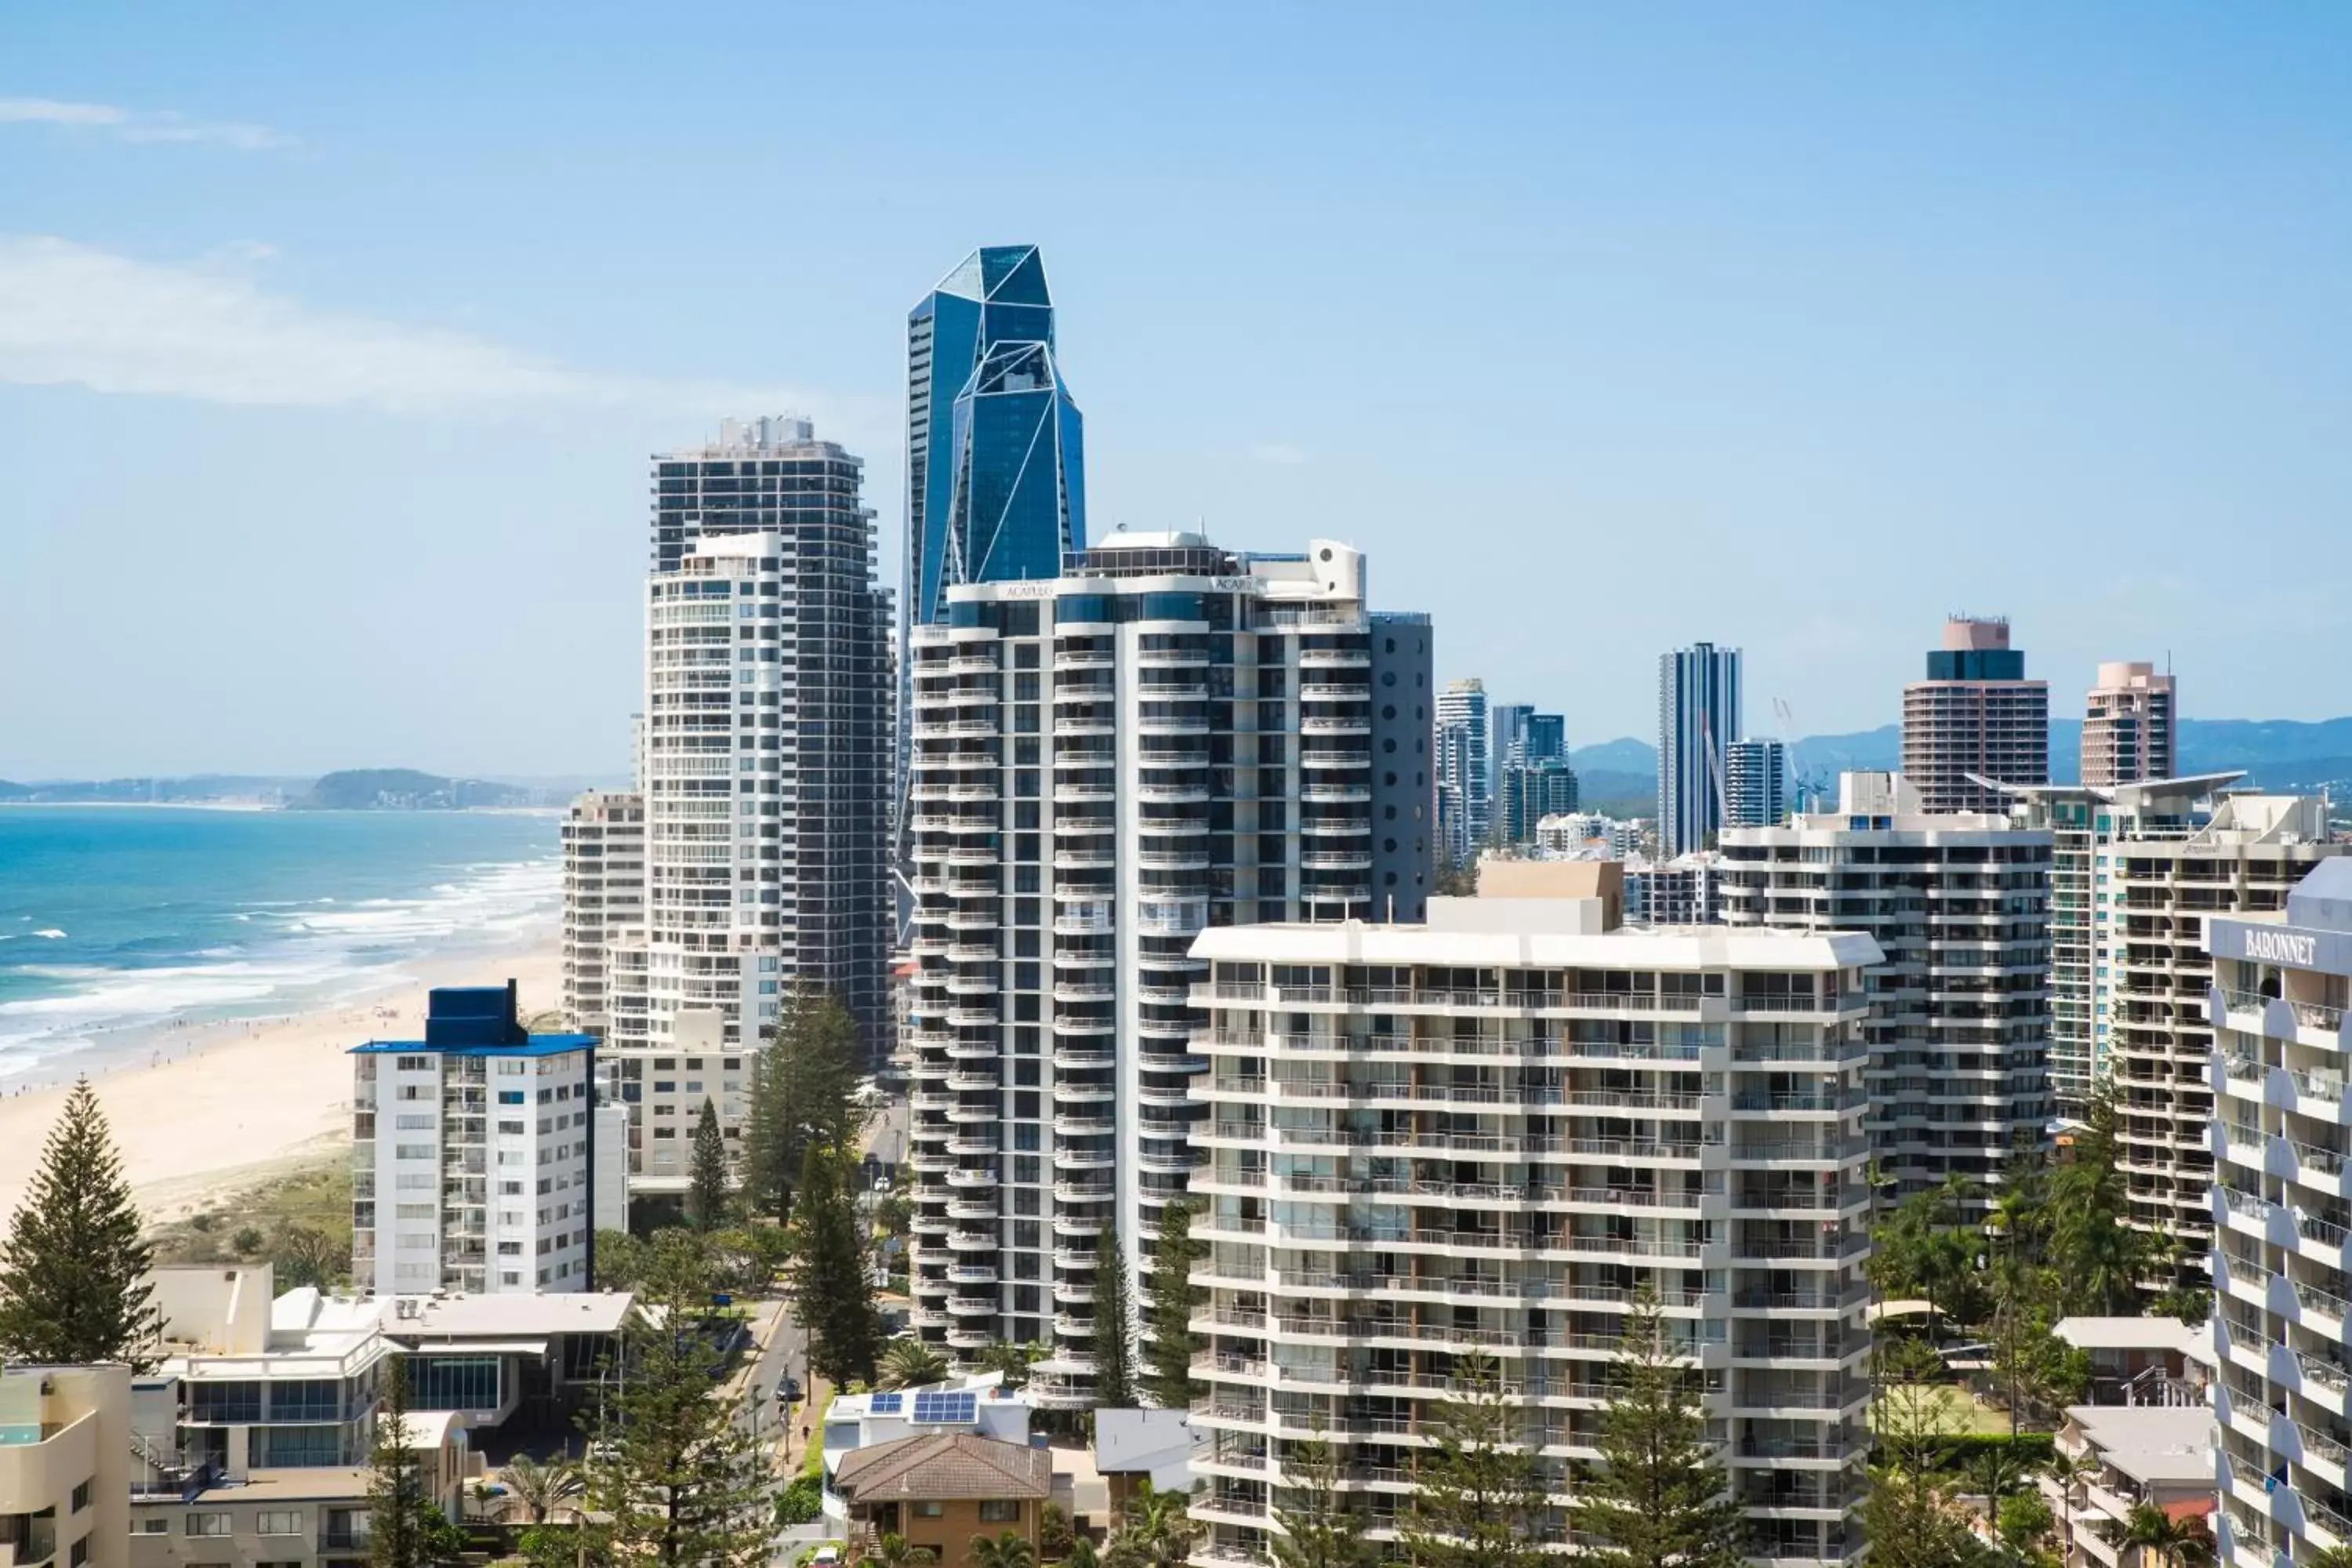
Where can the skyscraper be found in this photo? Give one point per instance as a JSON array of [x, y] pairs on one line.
[[995, 460], [1507, 736], [766, 752], [1977, 714], [1464, 809], [1755, 783], [1169, 737], [2131, 729], [1532, 791], [1699, 716], [1547, 737]]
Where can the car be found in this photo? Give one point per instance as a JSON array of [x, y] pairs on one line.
[[827, 1557]]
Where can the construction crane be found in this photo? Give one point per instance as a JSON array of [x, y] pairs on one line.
[[1805, 789]]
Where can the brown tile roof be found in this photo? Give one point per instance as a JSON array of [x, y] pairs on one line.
[[945, 1467]]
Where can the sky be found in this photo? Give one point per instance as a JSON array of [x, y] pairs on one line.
[[334, 340]]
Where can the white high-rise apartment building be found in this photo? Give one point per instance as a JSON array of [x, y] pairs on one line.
[[2282, 1253], [1171, 736], [473, 1153], [1958, 902], [2131, 728], [604, 896], [1487, 1134], [1464, 808], [1755, 783], [1698, 717], [766, 744]]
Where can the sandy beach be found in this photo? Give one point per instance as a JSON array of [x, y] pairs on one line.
[[218, 1108]]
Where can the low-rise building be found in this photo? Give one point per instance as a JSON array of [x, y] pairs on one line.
[[1686, 891], [977, 1405], [2138, 1360], [940, 1490], [2162, 1456], [64, 1452]]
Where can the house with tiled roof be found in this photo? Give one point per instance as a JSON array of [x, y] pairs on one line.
[[940, 1490]]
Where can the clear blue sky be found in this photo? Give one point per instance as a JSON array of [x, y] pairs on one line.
[[333, 340]]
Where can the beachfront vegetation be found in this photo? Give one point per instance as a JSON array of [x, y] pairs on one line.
[[1113, 1322], [672, 1476], [302, 1220], [1657, 1495], [803, 1095], [831, 1274], [1167, 1377], [73, 1284]]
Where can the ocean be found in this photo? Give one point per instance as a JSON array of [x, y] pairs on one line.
[[118, 921]]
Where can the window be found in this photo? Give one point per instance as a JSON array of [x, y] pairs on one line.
[[81, 1497], [413, 1151], [208, 1524], [922, 1510], [79, 1554], [412, 1064], [1000, 1510], [278, 1521], [154, 1527]]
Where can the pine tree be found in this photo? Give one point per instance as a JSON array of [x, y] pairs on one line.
[[1910, 1516], [674, 1478], [1320, 1526], [1114, 1323], [73, 1284], [706, 1192], [1481, 1497], [1657, 1498], [804, 1092], [831, 1273], [1168, 1378], [405, 1528]]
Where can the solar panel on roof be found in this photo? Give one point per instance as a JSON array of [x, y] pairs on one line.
[[939, 1405], [885, 1403]]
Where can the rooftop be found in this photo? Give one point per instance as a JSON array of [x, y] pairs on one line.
[[2169, 1444], [478, 1020], [944, 1466], [2126, 1333]]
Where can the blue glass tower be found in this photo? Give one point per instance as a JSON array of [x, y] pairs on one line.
[[995, 473]]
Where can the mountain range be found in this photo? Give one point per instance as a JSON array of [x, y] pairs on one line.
[[2276, 753]]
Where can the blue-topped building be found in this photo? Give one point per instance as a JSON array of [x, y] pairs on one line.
[[474, 1157], [995, 446]]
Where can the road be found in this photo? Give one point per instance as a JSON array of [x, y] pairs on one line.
[[782, 1352]]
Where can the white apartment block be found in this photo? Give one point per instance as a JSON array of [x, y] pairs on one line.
[[1686, 891], [473, 1153], [1170, 736], [1588, 833], [1487, 1134], [1958, 902], [604, 896], [2282, 1253], [1465, 808], [762, 754]]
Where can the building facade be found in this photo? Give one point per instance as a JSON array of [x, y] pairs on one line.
[[1974, 718], [1531, 792], [1506, 742], [1698, 715], [1755, 783], [604, 896], [1172, 737], [995, 446], [1488, 1133], [65, 1472], [473, 1153], [764, 777], [1958, 905], [2282, 1253], [2131, 727], [1464, 809], [1686, 891]]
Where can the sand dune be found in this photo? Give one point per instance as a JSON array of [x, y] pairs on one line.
[[237, 1103]]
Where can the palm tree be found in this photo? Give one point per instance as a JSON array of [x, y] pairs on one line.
[[2156, 1540], [911, 1364], [1083, 1554], [2329, 1557], [892, 1552], [542, 1486], [1010, 1550], [1154, 1530]]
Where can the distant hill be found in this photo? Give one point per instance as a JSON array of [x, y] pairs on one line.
[[196, 788], [405, 789]]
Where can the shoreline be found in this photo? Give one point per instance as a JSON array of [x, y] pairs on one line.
[[203, 1111]]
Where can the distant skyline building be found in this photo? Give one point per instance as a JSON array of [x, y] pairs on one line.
[[1756, 783], [1547, 737], [1506, 731], [1975, 714], [1698, 717], [603, 895], [1464, 809], [995, 446], [2131, 726], [1531, 792]]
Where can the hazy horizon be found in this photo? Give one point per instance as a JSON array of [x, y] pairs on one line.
[[332, 351]]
